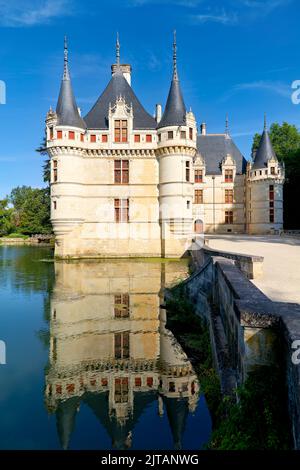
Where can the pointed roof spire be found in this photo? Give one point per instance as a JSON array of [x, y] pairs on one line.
[[175, 73], [66, 75], [227, 125], [265, 150], [265, 121], [118, 51], [66, 109], [175, 110]]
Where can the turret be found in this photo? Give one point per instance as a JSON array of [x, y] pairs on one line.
[[65, 130], [177, 135], [264, 194]]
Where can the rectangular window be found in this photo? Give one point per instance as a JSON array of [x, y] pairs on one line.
[[187, 171], [159, 137], [183, 134], [54, 205], [170, 134], [191, 133], [121, 306], [121, 172], [148, 138], [59, 134], [71, 135], [198, 196], [188, 204], [149, 381], [122, 345], [104, 138], [120, 130], [54, 171], [93, 138], [198, 176], [272, 218], [137, 138], [81, 137], [228, 196], [272, 170], [121, 390], [138, 381], [228, 176], [229, 217], [121, 210], [271, 192], [51, 132]]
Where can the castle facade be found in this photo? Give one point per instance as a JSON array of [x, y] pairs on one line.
[[127, 184]]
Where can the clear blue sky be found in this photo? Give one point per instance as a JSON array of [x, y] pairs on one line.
[[236, 56]]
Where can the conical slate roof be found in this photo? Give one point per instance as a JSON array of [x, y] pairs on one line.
[[97, 117], [175, 110], [177, 411], [65, 420], [265, 151], [66, 109]]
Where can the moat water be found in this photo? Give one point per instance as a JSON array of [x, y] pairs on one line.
[[89, 362]]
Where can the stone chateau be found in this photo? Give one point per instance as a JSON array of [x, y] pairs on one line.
[[125, 183]]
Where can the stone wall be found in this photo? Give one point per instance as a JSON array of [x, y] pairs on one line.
[[242, 305], [250, 265]]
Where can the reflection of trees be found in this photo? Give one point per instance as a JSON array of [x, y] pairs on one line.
[[27, 269]]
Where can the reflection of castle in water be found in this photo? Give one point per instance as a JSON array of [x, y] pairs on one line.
[[109, 348]]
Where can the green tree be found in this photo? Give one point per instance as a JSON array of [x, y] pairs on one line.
[[31, 209], [6, 213], [285, 139], [42, 150]]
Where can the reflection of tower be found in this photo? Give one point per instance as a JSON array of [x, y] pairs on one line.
[[109, 350]]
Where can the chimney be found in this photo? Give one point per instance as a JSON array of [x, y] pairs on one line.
[[158, 113], [125, 69], [203, 128]]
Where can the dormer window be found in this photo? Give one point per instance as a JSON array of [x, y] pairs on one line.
[[272, 170], [51, 132], [198, 176], [228, 176], [121, 130]]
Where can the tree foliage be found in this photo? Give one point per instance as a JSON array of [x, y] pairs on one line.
[[285, 139], [26, 211], [42, 150], [6, 224]]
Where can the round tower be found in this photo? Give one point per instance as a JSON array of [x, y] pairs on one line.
[[177, 134], [264, 192], [65, 135]]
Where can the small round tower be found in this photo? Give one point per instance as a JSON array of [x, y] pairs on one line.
[[264, 191], [65, 135], [177, 135]]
